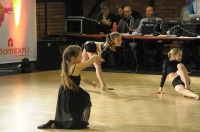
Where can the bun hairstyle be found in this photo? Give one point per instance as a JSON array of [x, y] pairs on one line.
[[173, 52], [109, 40]]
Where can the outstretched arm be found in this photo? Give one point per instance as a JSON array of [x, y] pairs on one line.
[[163, 78], [89, 62], [84, 80], [160, 91]]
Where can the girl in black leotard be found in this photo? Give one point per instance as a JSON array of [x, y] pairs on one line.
[[73, 103], [177, 73], [90, 48]]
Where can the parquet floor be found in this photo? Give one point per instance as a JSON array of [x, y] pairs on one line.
[[29, 100]]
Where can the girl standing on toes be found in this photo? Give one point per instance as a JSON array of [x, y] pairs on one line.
[[90, 48], [177, 73], [73, 103]]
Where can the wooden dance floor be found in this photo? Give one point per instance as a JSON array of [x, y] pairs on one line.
[[29, 100]]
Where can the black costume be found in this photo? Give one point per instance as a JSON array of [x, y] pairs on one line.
[[90, 46], [111, 57], [73, 108], [169, 67]]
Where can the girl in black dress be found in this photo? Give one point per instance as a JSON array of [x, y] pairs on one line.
[[73, 103], [90, 48], [177, 73]]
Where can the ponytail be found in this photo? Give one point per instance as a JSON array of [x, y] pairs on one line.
[[70, 51], [110, 40]]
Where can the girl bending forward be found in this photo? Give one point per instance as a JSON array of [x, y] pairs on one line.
[[91, 48]]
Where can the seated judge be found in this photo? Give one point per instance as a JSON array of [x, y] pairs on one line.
[[127, 24], [149, 18], [120, 13], [106, 17], [185, 11]]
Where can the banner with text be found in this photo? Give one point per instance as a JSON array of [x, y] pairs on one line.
[[18, 38]]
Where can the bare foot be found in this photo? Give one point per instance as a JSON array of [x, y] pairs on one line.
[[103, 88], [106, 88], [196, 96]]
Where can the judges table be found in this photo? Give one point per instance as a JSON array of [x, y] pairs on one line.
[[81, 38], [162, 39]]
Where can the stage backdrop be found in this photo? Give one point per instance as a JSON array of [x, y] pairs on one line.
[[17, 30]]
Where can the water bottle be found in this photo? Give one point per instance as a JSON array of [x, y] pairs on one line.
[[114, 27]]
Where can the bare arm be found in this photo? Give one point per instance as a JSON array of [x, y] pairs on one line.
[[93, 84], [89, 62]]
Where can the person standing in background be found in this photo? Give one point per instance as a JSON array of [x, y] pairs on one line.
[[185, 11], [195, 7]]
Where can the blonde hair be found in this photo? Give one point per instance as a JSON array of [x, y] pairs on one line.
[[69, 52], [110, 40], [173, 52]]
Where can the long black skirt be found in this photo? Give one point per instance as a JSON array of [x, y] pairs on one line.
[[73, 109]]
